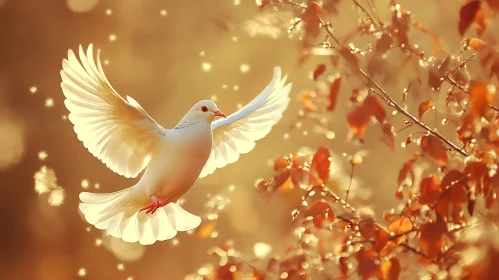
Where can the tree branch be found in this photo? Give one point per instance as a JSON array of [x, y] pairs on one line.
[[391, 102]]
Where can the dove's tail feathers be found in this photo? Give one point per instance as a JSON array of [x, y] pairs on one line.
[[121, 217]]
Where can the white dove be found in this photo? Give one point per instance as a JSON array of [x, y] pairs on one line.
[[122, 135]]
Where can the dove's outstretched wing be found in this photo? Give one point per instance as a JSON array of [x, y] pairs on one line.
[[118, 132], [238, 133]]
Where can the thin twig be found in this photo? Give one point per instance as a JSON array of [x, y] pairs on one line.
[[465, 90], [350, 185], [365, 11], [391, 102], [414, 250]]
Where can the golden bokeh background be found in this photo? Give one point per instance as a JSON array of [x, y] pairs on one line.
[[168, 55]]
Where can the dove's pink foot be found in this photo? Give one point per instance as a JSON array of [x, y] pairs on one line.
[[155, 205]]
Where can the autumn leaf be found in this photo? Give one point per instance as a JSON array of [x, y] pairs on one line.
[[319, 69], [482, 20], [480, 97], [432, 240], [321, 212], [351, 59], [367, 265], [388, 136], [321, 164], [477, 44], [467, 15], [424, 107], [206, 228], [334, 90], [391, 269], [311, 19], [399, 227], [375, 108], [494, 5], [434, 148], [453, 181], [406, 168], [357, 121], [430, 189], [305, 98]]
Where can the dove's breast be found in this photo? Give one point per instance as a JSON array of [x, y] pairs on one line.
[[178, 163]]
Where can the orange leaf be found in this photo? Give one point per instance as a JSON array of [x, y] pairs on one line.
[[206, 228], [434, 148], [457, 193], [480, 97], [494, 5], [321, 164], [405, 170], [281, 162], [351, 59], [477, 44], [319, 69], [305, 99], [482, 20], [467, 15], [321, 212], [391, 269], [424, 107], [388, 136], [357, 121], [311, 19], [400, 226], [432, 240], [367, 265], [334, 90], [430, 189], [375, 108]]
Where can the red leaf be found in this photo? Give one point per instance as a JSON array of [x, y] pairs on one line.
[[357, 121], [281, 162], [494, 5], [321, 164], [457, 193], [334, 90], [375, 108], [388, 136], [400, 226], [367, 265], [424, 107], [430, 189], [480, 97], [321, 212], [391, 269], [434, 148], [405, 170], [206, 228], [311, 19], [477, 44], [305, 98], [482, 20], [351, 59], [467, 15], [494, 70], [432, 240], [319, 69]]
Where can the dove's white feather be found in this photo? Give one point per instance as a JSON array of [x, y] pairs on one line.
[[121, 134], [116, 131], [106, 212], [238, 133]]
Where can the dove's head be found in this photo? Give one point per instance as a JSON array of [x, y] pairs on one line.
[[206, 110]]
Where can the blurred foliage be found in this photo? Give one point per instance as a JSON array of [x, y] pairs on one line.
[[384, 167]]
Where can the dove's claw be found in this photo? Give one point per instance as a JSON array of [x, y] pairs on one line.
[[155, 205]]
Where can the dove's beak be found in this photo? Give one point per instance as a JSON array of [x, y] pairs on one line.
[[218, 113]]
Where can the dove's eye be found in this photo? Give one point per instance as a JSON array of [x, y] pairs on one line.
[[204, 109]]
